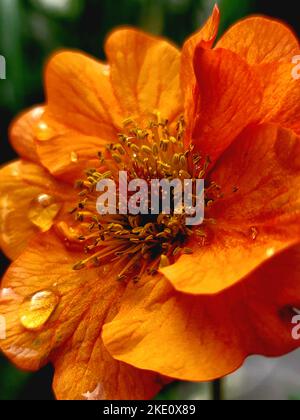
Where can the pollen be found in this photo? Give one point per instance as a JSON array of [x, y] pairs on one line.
[[141, 244]]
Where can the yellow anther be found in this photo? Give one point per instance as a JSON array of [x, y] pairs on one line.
[[155, 150], [120, 149], [164, 261], [116, 158], [147, 150], [184, 174], [128, 121], [176, 251], [183, 162], [134, 148], [164, 145], [79, 266], [176, 159]]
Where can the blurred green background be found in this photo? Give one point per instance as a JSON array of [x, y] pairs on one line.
[[32, 29]]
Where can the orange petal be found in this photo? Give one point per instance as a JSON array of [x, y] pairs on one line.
[[67, 154], [281, 102], [206, 37], [145, 74], [55, 313], [206, 337], [22, 133], [253, 224], [270, 47], [230, 96], [82, 114], [85, 370], [261, 40], [30, 200]]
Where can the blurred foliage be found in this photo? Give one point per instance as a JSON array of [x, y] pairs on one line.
[[30, 30], [11, 381]]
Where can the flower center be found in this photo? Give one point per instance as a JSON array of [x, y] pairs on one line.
[[140, 243]]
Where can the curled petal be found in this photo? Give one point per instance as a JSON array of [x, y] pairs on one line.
[[206, 38], [230, 94]]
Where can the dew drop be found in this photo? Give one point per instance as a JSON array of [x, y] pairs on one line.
[[74, 157], [37, 112], [43, 131], [36, 310], [7, 294], [43, 210], [270, 252], [106, 70], [164, 261], [45, 200]]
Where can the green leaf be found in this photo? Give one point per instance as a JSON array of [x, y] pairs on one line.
[[12, 381]]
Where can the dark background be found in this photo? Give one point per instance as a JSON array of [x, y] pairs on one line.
[[31, 29]]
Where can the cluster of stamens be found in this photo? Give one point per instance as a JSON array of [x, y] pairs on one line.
[[139, 244]]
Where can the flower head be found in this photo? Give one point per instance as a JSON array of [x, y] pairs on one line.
[[118, 303]]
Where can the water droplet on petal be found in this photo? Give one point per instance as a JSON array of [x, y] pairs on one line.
[[38, 112], [36, 310], [74, 157], [106, 70], [253, 233], [43, 211], [6, 295], [164, 261], [45, 200], [270, 252], [44, 132]]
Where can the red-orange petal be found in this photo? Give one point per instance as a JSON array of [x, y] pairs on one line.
[[281, 102], [22, 133], [144, 74], [230, 96], [24, 185], [207, 337], [206, 37], [261, 40], [257, 217], [66, 329], [270, 47], [82, 114]]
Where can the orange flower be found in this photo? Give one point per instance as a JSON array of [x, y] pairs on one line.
[[202, 299]]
